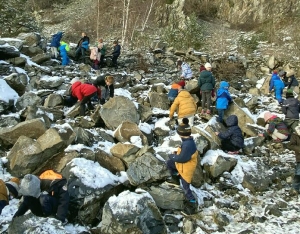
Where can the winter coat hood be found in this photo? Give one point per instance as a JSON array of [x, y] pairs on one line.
[[224, 84], [232, 120]]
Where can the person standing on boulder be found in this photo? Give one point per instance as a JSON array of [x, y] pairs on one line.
[[277, 84], [55, 43], [82, 46], [232, 140], [8, 191], [185, 106], [186, 71], [291, 109], [44, 196], [206, 83], [116, 53], [183, 162], [223, 99], [106, 84]]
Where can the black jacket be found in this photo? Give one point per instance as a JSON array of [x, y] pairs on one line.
[[85, 38], [100, 81], [58, 190], [30, 203], [291, 108], [117, 50]]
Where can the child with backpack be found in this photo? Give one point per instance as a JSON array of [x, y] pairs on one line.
[[223, 100], [184, 161]]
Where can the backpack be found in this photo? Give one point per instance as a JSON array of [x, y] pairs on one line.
[[103, 50]]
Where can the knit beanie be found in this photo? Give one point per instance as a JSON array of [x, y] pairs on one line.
[[207, 65], [13, 186], [74, 80], [297, 130], [202, 68], [181, 83], [184, 129], [268, 115], [289, 94], [30, 186]]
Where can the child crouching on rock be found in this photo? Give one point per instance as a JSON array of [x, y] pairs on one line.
[[275, 127], [184, 161], [294, 145], [232, 140]]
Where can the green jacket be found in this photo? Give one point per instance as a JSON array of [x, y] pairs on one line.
[[206, 81]]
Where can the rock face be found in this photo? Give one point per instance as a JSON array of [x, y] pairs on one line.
[[117, 110], [32, 128], [132, 213]]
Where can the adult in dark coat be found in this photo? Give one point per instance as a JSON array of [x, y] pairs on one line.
[[106, 84], [206, 83], [291, 109], [116, 53], [53, 201], [232, 140], [82, 46]]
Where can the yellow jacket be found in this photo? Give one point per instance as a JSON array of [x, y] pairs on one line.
[[3, 192], [187, 169], [184, 104]]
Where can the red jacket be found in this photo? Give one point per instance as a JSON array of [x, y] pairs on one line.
[[81, 90]]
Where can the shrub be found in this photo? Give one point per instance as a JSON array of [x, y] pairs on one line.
[[248, 45]]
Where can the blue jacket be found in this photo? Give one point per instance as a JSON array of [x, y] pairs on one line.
[[234, 133], [276, 82], [55, 42], [85, 44], [223, 96], [188, 148]]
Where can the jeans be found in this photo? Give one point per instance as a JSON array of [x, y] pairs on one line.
[[221, 115], [185, 185], [77, 52]]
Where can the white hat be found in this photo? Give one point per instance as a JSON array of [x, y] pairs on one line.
[[297, 129], [74, 80], [207, 65]]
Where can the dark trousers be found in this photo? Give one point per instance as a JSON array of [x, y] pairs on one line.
[[227, 145], [49, 204], [101, 62], [114, 60], [206, 99], [221, 115], [2, 205], [185, 185], [70, 101], [79, 50], [86, 100]]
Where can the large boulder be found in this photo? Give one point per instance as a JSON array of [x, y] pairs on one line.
[[8, 52], [159, 100], [146, 169], [89, 185], [127, 131], [117, 110], [50, 82], [32, 128], [110, 162], [28, 99], [126, 152], [18, 82], [219, 163], [12, 42], [168, 196], [27, 155], [131, 212]]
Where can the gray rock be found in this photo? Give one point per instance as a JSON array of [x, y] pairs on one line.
[[53, 100], [12, 42], [122, 214], [8, 52], [27, 99], [127, 130], [40, 58], [117, 110], [50, 82], [146, 169], [83, 137], [126, 152], [221, 165], [167, 196]]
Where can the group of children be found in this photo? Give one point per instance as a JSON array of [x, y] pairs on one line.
[[46, 195], [97, 53]]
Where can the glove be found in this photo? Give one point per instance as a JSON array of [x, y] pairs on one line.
[[213, 93]]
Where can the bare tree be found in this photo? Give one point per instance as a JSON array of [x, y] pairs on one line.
[[125, 20]]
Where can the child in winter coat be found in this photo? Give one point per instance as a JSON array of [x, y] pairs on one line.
[[173, 93], [186, 71], [95, 57], [184, 161], [8, 190], [115, 54], [294, 145], [275, 127], [223, 99], [101, 51], [55, 43], [45, 196], [291, 109], [82, 46], [106, 84], [232, 140], [277, 84], [64, 48], [84, 93]]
